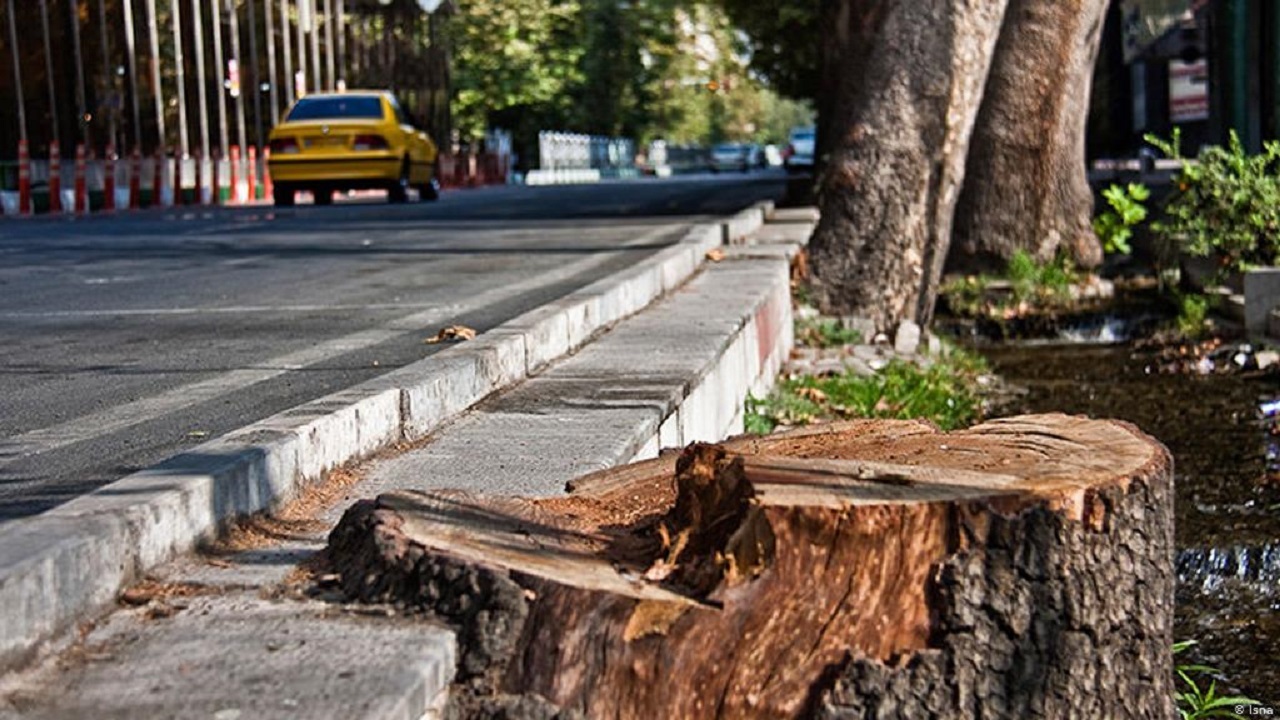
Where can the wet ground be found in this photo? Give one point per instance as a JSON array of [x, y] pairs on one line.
[[1228, 498]]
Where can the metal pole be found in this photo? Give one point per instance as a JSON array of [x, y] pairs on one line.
[[81, 105], [315, 45], [180, 76], [342, 42], [202, 80], [131, 48], [108, 77], [48, 68], [234, 27], [356, 49], [257, 73], [329, 76], [302, 44], [157, 89], [17, 73], [288, 52], [219, 61], [273, 79]]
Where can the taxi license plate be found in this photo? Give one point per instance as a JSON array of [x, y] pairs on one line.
[[326, 142]]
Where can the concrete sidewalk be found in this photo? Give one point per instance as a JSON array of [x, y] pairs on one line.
[[246, 635]]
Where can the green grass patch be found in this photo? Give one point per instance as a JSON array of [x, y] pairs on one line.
[[1026, 286], [824, 332], [946, 393]]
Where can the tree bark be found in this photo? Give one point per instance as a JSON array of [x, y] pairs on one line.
[[1025, 184], [1022, 568], [904, 92]]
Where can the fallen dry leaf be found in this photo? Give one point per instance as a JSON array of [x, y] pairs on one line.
[[149, 591], [453, 333], [715, 255], [812, 393]]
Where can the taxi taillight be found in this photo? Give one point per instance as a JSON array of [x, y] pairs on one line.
[[285, 146], [369, 142]]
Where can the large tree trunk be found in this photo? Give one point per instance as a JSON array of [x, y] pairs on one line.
[[1025, 183], [869, 569], [904, 94]]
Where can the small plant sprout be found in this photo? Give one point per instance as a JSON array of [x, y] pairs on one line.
[[1198, 703], [1126, 211]]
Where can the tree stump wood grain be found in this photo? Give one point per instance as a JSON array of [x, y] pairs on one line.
[[871, 569]]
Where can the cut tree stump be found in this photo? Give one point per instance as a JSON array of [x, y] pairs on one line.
[[1022, 568]]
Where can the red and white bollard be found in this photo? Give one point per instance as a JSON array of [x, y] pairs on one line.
[[253, 173], [177, 178], [55, 177], [24, 179], [157, 180], [109, 179], [268, 189], [215, 197], [235, 175], [81, 186]]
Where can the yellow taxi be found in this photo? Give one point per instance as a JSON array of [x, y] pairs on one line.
[[354, 140]]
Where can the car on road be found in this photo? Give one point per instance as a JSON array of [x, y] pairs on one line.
[[354, 140], [798, 157], [731, 156]]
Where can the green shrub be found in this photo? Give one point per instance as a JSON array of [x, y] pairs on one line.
[[1193, 310], [1228, 202], [1126, 211]]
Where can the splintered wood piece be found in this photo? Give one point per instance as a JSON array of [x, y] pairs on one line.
[[828, 571]]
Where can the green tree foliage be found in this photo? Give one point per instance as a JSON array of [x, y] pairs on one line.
[[514, 54], [784, 41], [670, 69]]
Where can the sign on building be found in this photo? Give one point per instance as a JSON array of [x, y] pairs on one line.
[[1188, 91]]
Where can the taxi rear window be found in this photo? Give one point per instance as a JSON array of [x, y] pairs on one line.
[[334, 108]]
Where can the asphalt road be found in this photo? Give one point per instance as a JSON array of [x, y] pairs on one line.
[[126, 340]]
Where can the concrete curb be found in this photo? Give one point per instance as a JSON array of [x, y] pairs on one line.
[[713, 407], [64, 565], [737, 228]]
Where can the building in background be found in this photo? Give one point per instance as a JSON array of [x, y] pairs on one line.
[[1205, 66]]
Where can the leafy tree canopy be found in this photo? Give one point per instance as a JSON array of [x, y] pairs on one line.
[[672, 69]]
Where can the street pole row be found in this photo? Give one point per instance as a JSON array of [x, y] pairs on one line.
[[304, 66]]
